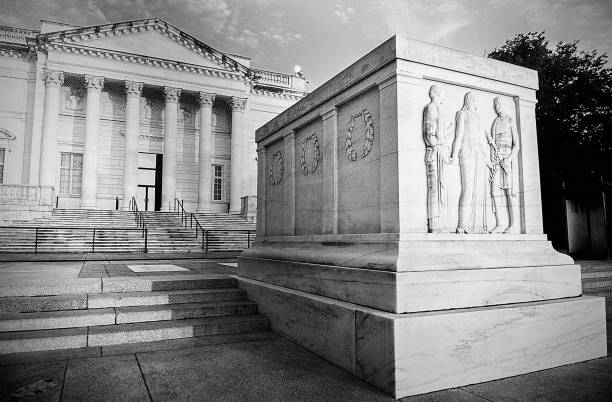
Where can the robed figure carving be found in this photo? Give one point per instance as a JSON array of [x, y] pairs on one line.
[[437, 150], [471, 148], [504, 148]]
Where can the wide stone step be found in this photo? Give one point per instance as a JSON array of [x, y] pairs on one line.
[[127, 299], [63, 286], [188, 328], [597, 273], [599, 291], [593, 283], [56, 319], [43, 303], [183, 311]]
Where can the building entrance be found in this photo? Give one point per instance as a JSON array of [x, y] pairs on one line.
[[149, 191]]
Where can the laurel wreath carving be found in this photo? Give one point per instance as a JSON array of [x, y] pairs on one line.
[[278, 157], [351, 153], [316, 155]]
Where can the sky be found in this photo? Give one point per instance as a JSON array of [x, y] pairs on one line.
[[324, 37]]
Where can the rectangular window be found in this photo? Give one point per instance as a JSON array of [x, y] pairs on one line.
[[71, 172], [1, 165], [218, 183]]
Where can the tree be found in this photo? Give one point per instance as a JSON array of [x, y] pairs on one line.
[[574, 110]]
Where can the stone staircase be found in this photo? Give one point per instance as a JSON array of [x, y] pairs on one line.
[[227, 231], [597, 278], [71, 238], [97, 312], [166, 233]]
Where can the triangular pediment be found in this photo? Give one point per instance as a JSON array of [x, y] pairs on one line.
[[151, 38]]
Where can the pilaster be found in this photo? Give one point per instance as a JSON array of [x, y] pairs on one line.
[[289, 183], [329, 165]]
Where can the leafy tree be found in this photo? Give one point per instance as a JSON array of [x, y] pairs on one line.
[[574, 110]]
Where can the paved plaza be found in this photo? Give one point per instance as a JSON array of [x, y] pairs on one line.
[[239, 367]]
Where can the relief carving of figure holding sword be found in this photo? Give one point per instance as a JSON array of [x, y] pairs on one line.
[[504, 148]]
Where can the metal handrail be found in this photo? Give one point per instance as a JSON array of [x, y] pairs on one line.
[[141, 222], [181, 212], [38, 229], [208, 231]]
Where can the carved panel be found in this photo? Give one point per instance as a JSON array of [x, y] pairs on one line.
[[73, 100], [275, 173], [151, 109], [310, 155], [186, 115], [113, 104], [360, 134]]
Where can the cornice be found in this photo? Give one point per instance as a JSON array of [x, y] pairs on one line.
[[282, 95], [144, 60]]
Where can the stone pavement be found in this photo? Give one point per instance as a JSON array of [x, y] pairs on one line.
[[242, 367]]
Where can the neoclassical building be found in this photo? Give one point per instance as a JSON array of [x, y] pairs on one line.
[[93, 116]]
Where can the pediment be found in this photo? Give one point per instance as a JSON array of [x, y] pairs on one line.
[[151, 38]]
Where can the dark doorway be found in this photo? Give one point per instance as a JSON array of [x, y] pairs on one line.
[[148, 196]]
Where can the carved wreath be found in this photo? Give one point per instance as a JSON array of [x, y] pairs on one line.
[[315, 155], [368, 124], [275, 173]]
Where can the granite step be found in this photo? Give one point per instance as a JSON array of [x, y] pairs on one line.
[[187, 328], [56, 319], [127, 299], [43, 303], [183, 311], [593, 283], [599, 291], [46, 339]]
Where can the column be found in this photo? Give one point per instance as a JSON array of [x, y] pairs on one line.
[[236, 145], [48, 150], [130, 159], [90, 156], [171, 96], [206, 147]]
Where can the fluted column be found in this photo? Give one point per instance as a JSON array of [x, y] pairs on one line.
[[90, 155], [236, 145], [48, 150], [171, 95], [206, 146], [130, 158]]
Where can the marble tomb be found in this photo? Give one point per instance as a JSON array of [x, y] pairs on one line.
[[399, 228]]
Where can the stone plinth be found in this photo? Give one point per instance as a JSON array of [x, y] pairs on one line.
[[399, 227]]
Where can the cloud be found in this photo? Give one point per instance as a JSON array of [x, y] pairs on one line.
[[344, 14], [280, 36]]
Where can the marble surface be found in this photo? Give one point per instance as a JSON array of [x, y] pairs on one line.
[[419, 291], [327, 329], [417, 353], [417, 253]]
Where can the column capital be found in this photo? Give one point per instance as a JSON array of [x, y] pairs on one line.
[[93, 82], [53, 78], [133, 88], [206, 99], [237, 104], [172, 95]]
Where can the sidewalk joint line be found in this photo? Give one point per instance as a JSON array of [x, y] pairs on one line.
[[143, 377]]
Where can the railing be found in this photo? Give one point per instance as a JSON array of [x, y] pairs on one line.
[[141, 222], [180, 211], [39, 230], [270, 77], [207, 233]]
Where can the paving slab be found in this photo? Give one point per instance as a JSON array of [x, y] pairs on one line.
[[574, 382], [32, 382], [49, 356], [110, 378], [183, 343], [276, 370], [448, 395]]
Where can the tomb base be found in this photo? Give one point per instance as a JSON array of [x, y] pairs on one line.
[[414, 353]]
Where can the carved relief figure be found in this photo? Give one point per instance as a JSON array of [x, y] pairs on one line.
[[504, 148], [74, 99], [437, 150], [471, 148]]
